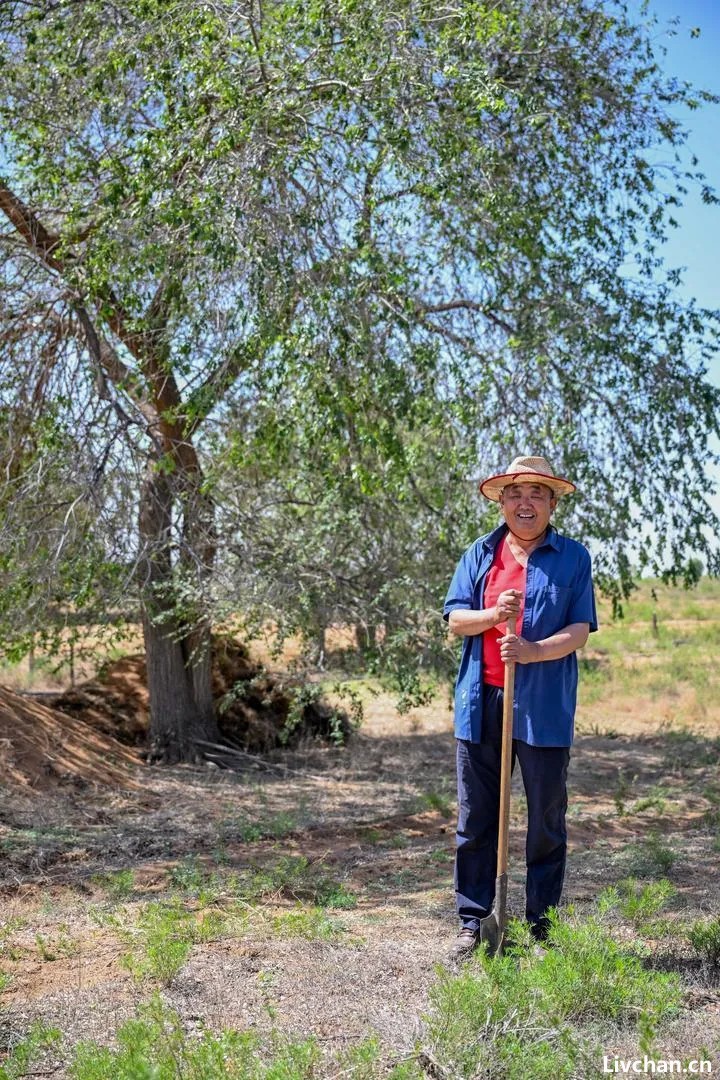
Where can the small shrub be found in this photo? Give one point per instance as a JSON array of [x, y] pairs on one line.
[[26, 1052], [587, 975], [189, 877], [362, 1062], [267, 827], [366, 1061], [623, 788], [515, 1016], [294, 877], [649, 802], [441, 855], [118, 886], [664, 929], [313, 924], [153, 1044], [650, 857], [686, 750], [214, 925], [711, 818], [290, 876], [637, 902], [336, 896], [705, 939], [370, 835], [7, 930], [62, 944], [158, 943], [437, 800]]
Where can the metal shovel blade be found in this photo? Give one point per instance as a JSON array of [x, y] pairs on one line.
[[492, 928]]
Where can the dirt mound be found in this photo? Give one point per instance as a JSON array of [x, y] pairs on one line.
[[116, 703], [41, 748], [256, 710]]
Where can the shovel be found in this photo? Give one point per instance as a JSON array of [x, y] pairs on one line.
[[492, 929]]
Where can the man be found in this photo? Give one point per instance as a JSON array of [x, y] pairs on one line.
[[522, 569]]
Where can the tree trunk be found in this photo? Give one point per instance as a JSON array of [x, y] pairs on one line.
[[178, 658], [198, 556], [365, 638]]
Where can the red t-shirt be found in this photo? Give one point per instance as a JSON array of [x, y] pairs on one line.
[[505, 573]]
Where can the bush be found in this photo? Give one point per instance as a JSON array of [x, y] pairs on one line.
[[515, 1016], [154, 1045], [367, 1061], [160, 940], [16, 1063], [650, 857], [637, 902], [705, 939], [313, 924]]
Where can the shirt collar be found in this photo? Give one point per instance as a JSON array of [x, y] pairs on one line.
[[491, 541]]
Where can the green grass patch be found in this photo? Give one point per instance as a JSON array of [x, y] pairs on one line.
[[25, 1053], [705, 939], [515, 1016], [153, 1046], [636, 902], [118, 886], [663, 645], [160, 939], [437, 800], [650, 857], [312, 924]]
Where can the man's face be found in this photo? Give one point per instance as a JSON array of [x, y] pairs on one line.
[[527, 508]]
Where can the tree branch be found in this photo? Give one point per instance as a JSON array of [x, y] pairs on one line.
[[163, 411], [27, 224], [467, 305]]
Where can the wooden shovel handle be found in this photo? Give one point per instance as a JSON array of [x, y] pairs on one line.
[[506, 760]]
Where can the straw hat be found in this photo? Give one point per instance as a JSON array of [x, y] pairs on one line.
[[526, 470]]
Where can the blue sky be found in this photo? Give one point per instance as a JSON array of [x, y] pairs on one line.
[[696, 243]]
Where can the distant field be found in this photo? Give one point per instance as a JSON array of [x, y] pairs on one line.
[[647, 672], [655, 667]]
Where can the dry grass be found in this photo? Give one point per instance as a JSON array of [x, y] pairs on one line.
[[373, 820]]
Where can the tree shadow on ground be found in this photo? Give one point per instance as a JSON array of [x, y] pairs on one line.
[[382, 808]]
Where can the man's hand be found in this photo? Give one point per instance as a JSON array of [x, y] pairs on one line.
[[508, 605], [517, 649]]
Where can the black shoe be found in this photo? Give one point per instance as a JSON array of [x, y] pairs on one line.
[[465, 944], [540, 930]]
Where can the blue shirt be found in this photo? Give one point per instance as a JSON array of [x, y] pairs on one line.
[[559, 591]]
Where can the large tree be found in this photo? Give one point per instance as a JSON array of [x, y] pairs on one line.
[[344, 228]]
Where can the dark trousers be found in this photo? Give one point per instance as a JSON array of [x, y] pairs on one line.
[[544, 773]]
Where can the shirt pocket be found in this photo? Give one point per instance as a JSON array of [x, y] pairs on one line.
[[550, 610]]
